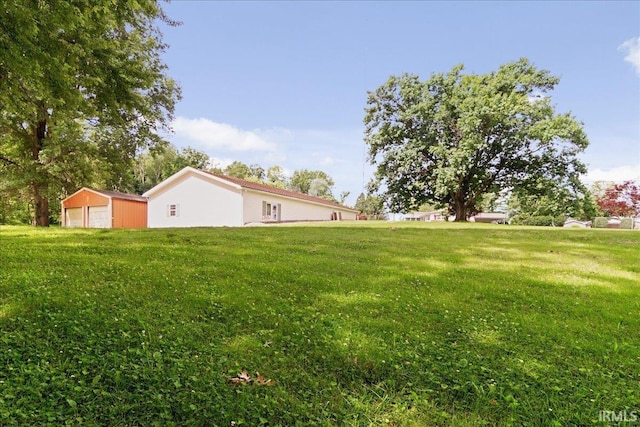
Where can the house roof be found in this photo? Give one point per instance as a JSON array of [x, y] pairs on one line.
[[248, 185], [279, 191]]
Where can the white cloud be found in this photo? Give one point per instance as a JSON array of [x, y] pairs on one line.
[[325, 160], [632, 48], [338, 152], [216, 162], [618, 174], [208, 134]]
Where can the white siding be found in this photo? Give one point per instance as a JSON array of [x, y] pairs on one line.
[[199, 202], [99, 217], [73, 217], [290, 209]]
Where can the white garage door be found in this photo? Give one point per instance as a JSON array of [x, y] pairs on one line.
[[99, 217], [74, 217]]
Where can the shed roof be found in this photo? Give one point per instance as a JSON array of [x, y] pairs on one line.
[[110, 194], [119, 195]]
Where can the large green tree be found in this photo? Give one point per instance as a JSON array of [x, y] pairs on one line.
[[276, 177], [455, 137], [82, 89], [371, 205], [313, 182], [552, 201], [154, 166], [241, 170]]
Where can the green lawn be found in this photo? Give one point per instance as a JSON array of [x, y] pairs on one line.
[[354, 324]]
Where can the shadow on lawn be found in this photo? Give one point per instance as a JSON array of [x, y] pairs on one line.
[[351, 326]]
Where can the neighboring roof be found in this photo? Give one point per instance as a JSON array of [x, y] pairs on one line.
[[490, 215], [422, 214], [244, 184], [570, 221]]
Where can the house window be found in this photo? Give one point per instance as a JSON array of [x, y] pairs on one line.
[[271, 211], [173, 210], [266, 211]]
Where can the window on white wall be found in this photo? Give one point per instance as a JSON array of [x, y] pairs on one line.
[[271, 211], [266, 211], [173, 210]]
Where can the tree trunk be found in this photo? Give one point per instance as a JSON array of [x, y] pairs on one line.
[[460, 209], [40, 186], [40, 205]]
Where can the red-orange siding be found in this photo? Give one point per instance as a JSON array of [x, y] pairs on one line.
[[85, 198], [122, 211], [129, 214]]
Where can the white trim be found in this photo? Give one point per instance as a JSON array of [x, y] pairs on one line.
[[185, 171]]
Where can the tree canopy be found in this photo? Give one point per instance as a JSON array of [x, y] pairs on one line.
[[551, 201], [370, 205], [82, 89], [240, 170], [154, 166], [455, 137], [313, 182], [620, 199]]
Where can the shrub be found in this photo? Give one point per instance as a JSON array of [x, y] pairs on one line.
[[600, 222], [543, 221], [626, 223]]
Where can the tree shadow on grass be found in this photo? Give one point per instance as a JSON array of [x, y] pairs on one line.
[[351, 327]]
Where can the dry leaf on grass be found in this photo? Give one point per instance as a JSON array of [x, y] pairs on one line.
[[244, 378], [260, 380]]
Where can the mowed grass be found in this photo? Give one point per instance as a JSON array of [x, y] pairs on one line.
[[354, 325]]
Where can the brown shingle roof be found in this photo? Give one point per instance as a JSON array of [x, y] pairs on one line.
[[118, 195], [279, 191]]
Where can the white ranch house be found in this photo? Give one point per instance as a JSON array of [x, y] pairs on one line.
[[195, 198]]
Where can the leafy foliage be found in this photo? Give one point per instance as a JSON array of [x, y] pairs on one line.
[[82, 89], [627, 223], [240, 170], [316, 183], [154, 166], [371, 205], [540, 220], [600, 222], [455, 137], [276, 177], [550, 200], [621, 199]]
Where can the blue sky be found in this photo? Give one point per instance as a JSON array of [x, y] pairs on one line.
[[285, 83]]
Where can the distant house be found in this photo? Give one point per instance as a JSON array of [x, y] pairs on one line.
[[425, 216], [614, 222], [574, 223], [195, 198], [104, 209], [489, 217]]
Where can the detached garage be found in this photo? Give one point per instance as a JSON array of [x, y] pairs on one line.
[[104, 209]]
